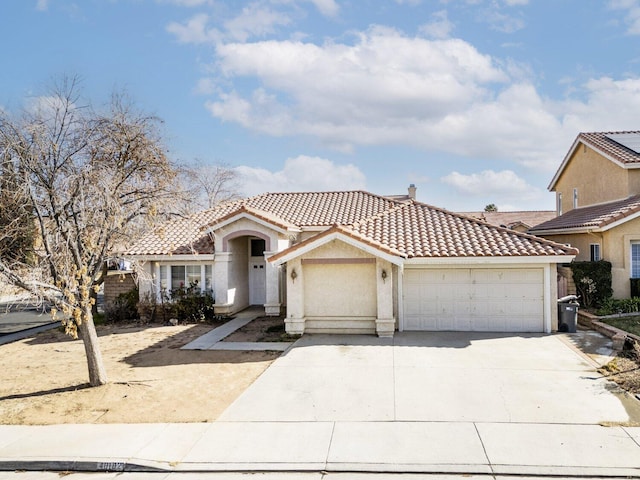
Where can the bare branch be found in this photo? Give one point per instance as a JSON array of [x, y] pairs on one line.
[[85, 183]]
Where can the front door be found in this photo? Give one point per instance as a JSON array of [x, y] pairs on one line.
[[257, 272], [257, 282]]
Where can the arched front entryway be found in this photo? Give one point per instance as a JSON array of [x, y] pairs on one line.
[[243, 276]]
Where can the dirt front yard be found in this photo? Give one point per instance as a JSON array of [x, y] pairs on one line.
[[43, 380]]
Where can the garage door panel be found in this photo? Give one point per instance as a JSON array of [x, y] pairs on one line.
[[474, 299], [346, 291]]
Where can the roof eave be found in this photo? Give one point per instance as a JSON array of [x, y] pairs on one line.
[[491, 259], [245, 214], [580, 140], [165, 257], [333, 233]]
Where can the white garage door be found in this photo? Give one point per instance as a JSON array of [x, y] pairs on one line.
[[340, 290], [474, 299]]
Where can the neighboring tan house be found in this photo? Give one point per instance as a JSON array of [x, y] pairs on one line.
[[598, 203], [355, 262], [520, 221]]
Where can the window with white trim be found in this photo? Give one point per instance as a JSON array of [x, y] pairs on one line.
[[559, 203], [173, 277], [595, 252], [635, 260]]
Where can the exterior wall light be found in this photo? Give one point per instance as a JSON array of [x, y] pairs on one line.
[[384, 275], [294, 275]]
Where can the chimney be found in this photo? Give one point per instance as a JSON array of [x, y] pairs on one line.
[[412, 191]]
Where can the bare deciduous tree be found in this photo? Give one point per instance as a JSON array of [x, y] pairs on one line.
[[207, 185], [89, 180]]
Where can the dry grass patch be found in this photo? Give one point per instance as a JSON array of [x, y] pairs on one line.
[[44, 379]]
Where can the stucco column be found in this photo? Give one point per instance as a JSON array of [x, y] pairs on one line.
[[223, 298], [147, 280], [272, 305], [295, 321], [385, 323], [157, 281]]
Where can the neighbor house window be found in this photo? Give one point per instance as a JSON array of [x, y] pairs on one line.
[[635, 260], [575, 198], [595, 252], [559, 203]]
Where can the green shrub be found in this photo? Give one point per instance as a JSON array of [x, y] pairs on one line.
[[187, 305], [124, 307], [152, 310], [612, 306], [593, 282], [192, 305]]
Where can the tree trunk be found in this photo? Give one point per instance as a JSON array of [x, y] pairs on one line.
[[97, 372]]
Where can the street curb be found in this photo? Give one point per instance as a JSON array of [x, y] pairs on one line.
[[376, 469], [22, 334]]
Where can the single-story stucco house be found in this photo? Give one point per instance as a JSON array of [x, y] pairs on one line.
[[356, 262]]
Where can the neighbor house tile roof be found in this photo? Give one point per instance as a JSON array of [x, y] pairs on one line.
[[592, 217], [404, 228], [529, 218], [617, 151]]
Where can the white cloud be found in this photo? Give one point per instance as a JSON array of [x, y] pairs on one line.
[[609, 105], [632, 18], [390, 89], [195, 30], [187, 3], [439, 27], [503, 22], [505, 188], [302, 173], [328, 8], [254, 20], [42, 5], [487, 182], [205, 86], [371, 92], [48, 107]]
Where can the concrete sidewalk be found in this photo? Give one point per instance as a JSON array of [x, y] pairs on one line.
[[427, 447]]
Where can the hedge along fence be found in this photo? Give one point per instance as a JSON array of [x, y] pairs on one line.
[[593, 282]]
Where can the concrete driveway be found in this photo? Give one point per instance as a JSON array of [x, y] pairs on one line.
[[432, 377]]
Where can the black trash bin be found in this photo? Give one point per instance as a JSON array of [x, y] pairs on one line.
[[568, 313]]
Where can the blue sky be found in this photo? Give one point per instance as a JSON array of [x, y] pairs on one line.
[[474, 101]]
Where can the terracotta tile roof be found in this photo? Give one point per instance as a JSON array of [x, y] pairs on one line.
[[287, 210], [529, 218], [266, 216], [307, 209], [600, 141], [407, 229], [593, 216], [420, 230], [177, 237]]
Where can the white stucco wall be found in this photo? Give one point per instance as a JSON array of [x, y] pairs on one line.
[[238, 280], [339, 287], [146, 280]]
